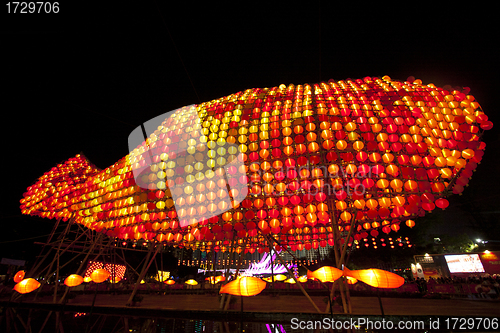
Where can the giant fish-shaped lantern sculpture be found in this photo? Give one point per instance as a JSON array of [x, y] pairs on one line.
[[369, 153]]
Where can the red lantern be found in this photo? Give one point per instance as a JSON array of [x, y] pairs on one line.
[[410, 223], [442, 203], [376, 277]]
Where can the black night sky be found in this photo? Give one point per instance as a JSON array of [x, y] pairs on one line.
[[83, 79]]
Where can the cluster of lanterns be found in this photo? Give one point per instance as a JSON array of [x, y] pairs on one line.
[[373, 277], [243, 285], [382, 242], [367, 154], [250, 286]]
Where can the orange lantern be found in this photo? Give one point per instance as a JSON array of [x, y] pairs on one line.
[[376, 277], [325, 274], [19, 276], [73, 280], [26, 286], [99, 275], [244, 286], [279, 277], [170, 282]]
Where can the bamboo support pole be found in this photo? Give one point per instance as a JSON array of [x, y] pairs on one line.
[[236, 276], [147, 263]]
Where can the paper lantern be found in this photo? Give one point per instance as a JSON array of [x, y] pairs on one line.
[[290, 280], [19, 276], [191, 282], [26, 286], [170, 282], [325, 274], [73, 280], [99, 275], [87, 279], [376, 277], [244, 286], [279, 277]]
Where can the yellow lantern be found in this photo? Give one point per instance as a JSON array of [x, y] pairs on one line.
[[280, 277]]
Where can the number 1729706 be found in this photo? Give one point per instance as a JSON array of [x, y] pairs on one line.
[[32, 7]]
